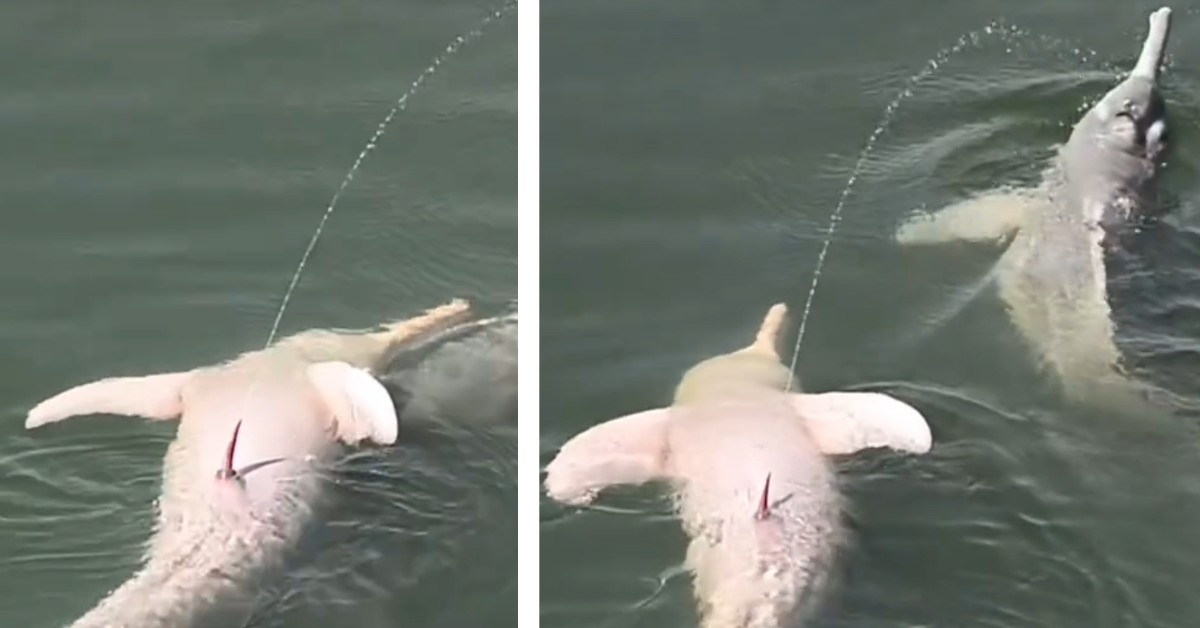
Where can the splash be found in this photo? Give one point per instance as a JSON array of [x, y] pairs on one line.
[[400, 105], [451, 49], [1012, 37]]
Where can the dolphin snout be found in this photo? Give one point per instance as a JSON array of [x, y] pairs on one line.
[[1154, 48]]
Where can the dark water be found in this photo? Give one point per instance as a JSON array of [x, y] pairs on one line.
[[692, 155], [162, 167]]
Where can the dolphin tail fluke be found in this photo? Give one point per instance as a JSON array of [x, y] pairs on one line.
[[989, 217], [1154, 48], [628, 450], [846, 422], [152, 396]]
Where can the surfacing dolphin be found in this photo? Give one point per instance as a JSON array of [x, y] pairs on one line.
[[748, 465], [242, 476], [1052, 277]]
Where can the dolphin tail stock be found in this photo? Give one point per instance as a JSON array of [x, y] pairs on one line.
[[992, 216], [1154, 47], [1115, 391], [628, 450], [847, 422], [1094, 376], [156, 396]]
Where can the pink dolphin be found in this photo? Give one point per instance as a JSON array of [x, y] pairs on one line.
[[239, 481], [747, 462]]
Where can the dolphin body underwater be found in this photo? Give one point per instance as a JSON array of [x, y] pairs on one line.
[[242, 476], [1052, 277], [748, 464]]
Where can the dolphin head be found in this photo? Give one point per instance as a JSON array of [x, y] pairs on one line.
[[1114, 151], [1133, 119]]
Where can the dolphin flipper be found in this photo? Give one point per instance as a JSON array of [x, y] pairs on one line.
[[846, 422], [152, 396], [360, 405], [628, 450], [989, 217]]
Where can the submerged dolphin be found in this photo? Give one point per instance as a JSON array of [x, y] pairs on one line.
[[1052, 277], [239, 480], [747, 461]]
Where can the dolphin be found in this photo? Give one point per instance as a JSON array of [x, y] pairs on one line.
[[466, 375], [241, 477], [748, 464], [1096, 192]]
